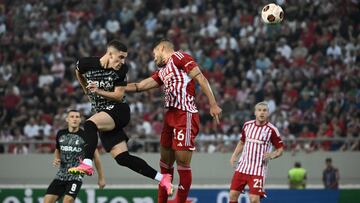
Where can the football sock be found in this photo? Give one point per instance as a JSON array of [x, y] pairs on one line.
[[91, 139], [158, 176], [136, 164], [185, 183], [162, 194]]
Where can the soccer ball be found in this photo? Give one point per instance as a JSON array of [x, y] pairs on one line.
[[272, 13]]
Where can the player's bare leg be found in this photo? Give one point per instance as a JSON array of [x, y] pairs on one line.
[[50, 198], [68, 199], [254, 198], [166, 166], [183, 160], [234, 196]]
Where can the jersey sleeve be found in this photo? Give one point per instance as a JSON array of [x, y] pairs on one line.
[[276, 139], [156, 77], [122, 73], [57, 140], [243, 136], [184, 61], [87, 63]]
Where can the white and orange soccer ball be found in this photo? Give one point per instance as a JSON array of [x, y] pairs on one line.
[[272, 14]]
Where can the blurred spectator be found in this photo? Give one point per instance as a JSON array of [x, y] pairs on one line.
[[330, 175], [307, 67], [31, 129], [297, 177]]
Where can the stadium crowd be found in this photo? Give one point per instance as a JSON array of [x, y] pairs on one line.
[[306, 68]]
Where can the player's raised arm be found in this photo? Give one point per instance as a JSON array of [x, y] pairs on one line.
[[82, 81], [197, 75], [144, 85]]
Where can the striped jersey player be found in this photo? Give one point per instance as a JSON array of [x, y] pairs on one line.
[[258, 137], [177, 74]]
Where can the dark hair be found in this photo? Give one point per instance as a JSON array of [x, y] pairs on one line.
[[161, 41], [117, 45], [297, 164], [328, 159]]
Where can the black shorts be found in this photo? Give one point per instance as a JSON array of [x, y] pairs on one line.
[[61, 188], [121, 116]]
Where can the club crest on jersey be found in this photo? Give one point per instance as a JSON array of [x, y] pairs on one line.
[[110, 107], [77, 142]]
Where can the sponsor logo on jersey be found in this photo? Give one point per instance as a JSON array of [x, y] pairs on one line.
[[254, 141], [70, 149]]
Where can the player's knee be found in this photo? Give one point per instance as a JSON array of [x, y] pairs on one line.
[[233, 195], [183, 163], [49, 199], [68, 199], [254, 198], [90, 125], [123, 158]]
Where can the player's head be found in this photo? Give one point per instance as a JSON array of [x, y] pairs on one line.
[[262, 112], [328, 162], [73, 118], [117, 53], [161, 52]]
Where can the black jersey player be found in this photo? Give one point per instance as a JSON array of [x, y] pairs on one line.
[[104, 80], [69, 149]]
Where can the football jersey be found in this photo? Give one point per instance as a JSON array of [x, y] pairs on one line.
[[71, 148], [179, 87], [257, 139], [105, 79]]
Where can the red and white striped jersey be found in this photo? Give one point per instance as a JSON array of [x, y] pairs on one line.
[[179, 88], [257, 140]]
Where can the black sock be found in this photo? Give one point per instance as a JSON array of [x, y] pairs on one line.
[[90, 138], [136, 164]]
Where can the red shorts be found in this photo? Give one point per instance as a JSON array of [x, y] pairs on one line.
[[255, 183], [180, 129]]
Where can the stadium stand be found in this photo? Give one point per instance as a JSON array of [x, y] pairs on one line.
[[307, 67]]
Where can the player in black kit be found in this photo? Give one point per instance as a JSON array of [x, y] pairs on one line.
[[104, 80], [69, 149]]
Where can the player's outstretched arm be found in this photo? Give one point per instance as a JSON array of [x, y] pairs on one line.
[[82, 81], [99, 169], [144, 85], [57, 160], [197, 75], [237, 151]]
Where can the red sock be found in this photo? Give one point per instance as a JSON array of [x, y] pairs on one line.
[[185, 183], [233, 202], [162, 194]]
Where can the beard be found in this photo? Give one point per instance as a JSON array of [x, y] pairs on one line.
[[160, 62]]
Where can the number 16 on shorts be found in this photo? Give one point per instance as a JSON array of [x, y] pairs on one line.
[[179, 135]]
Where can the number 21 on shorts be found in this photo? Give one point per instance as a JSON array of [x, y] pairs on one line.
[[257, 183], [179, 135]]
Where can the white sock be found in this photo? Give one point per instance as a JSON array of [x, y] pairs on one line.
[[87, 162], [158, 176]]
